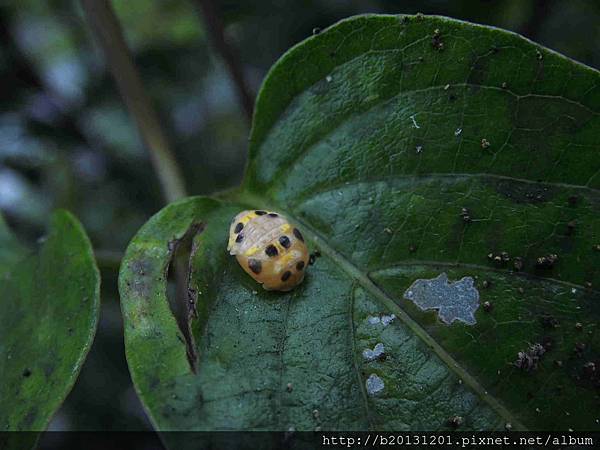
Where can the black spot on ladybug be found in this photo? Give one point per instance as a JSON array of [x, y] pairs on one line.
[[240, 238], [300, 265], [260, 212], [284, 241], [239, 227], [298, 234], [271, 250], [273, 215], [255, 265], [286, 275]]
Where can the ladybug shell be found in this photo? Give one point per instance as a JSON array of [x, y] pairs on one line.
[[269, 249]]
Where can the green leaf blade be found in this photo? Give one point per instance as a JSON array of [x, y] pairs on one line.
[[50, 306], [400, 160]]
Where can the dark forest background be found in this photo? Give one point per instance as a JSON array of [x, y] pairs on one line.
[[66, 139]]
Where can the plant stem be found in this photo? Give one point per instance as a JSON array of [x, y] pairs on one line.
[[107, 30], [214, 26]]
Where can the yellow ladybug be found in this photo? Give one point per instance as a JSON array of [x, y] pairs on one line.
[[269, 249]]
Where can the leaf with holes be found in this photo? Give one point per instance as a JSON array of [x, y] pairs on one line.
[[49, 306], [449, 175]]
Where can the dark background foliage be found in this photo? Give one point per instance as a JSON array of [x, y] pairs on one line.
[[66, 139]]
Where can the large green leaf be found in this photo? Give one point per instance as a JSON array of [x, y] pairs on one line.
[[49, 303], [405, 148]]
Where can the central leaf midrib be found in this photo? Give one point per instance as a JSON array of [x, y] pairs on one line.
[[354, 273]]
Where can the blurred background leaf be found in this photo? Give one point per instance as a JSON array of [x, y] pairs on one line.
[[66, 139]]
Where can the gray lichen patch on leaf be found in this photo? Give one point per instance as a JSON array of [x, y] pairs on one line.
[[374, 384], [385, 320], [377, 352], [454, 300]]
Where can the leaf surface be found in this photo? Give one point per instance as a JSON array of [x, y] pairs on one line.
[[404, 148], [49, 306]]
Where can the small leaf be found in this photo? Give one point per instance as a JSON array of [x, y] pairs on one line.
[[356, 139], [49, 302]]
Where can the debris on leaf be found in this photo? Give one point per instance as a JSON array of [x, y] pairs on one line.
[[436, 41], [313, 257], [589, 368], [579, 348], [414, 121], [499, 258], [549, 321], [546, 262], [465, 214], [518, 263], [455, 421], [528, 360]]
